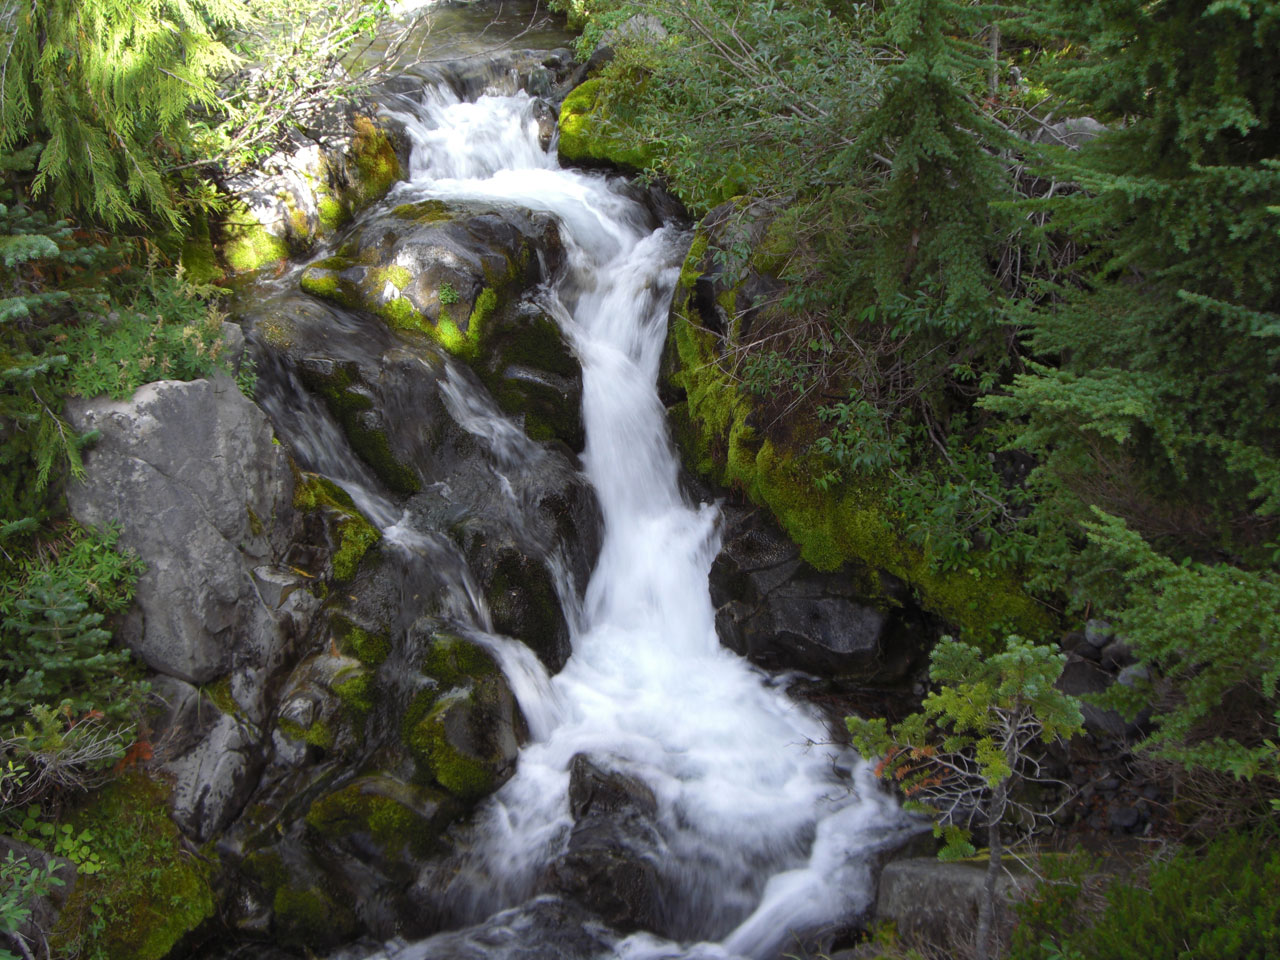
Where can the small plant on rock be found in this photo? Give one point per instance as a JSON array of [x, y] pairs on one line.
[[961, 757]]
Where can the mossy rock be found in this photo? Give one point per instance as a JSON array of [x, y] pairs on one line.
[[530, 371], [351, 535], [247, 245], [338, 384], [403, 820], [523, 602], [311, 918], [373, 163], [592, 135], [464, 728], [842, 524], [152, 891], [369, 647]]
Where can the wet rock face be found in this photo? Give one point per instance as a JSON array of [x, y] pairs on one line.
[[456, 272], [782, 614], [611, 862], [210, 527]]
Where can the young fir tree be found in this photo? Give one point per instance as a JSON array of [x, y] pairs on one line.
[[934, 224], [1157, 396], [963, 756]]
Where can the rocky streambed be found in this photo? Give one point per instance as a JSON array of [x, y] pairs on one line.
[[454, 659]]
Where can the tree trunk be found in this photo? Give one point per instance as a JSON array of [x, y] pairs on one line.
[[993, 71], [995, 852]]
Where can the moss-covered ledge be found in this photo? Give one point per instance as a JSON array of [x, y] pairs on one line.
[[846, 523], [275, 216], [592, 135]]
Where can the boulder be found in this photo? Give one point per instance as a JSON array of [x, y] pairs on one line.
[[934, 902], [610, 864], [213, 780], [463, 727], [313, 185], [205, 498], [782, 614]]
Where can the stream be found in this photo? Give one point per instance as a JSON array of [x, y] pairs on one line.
[[758, 827]]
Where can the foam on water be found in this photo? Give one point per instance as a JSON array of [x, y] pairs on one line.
[[761, 836]]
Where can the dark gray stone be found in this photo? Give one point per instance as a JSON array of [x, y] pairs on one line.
[[938, 902], [611, 861]]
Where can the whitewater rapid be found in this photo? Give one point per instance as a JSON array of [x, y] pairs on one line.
[[762, 824]]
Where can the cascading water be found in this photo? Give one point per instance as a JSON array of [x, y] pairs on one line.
[[758, 833]]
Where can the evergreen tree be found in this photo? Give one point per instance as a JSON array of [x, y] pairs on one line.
[[105, 86]]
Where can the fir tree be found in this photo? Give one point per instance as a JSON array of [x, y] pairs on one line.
[[105, 86]]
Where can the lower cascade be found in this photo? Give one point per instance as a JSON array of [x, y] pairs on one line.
[[728, 821]]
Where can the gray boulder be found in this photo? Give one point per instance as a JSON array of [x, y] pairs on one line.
[[937, 903], [213, 780], [205, 498]]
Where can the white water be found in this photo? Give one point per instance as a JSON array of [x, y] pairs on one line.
[[761, 835]]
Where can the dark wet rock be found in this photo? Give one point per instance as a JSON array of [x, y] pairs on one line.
[[214, 779], [464, 728], [442, 269], [545, 928], [1083, 678], [1124, 819], [326, 172], [1098, 633], [523, 602], [1116, 655], [780, 613], [611, 862]]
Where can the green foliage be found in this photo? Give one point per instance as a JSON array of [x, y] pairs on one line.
[[21, 883], [957, 758], [1214, 632], [104, 87], [149, 892], [54, 649], [448, 295], [1219, 902]]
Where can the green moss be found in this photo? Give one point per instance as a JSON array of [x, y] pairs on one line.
[[250, 246], [382, 809], [199, 261], [376, 165], [834, 527], [466, 777], [313, 492], [425, 211], [319, 734], [355, 536], [330, 211], [452, 660], [590, 133], [325, 280], [369, 648], [356, 691], [403, 315], [396, 275], [219, 694], [308, 917], [151, 892]]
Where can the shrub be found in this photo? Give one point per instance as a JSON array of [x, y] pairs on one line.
[[1217, 903]]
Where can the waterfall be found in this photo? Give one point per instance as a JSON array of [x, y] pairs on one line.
[[763, 828]]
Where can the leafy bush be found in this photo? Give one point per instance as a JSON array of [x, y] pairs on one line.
[[1217, 903]]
